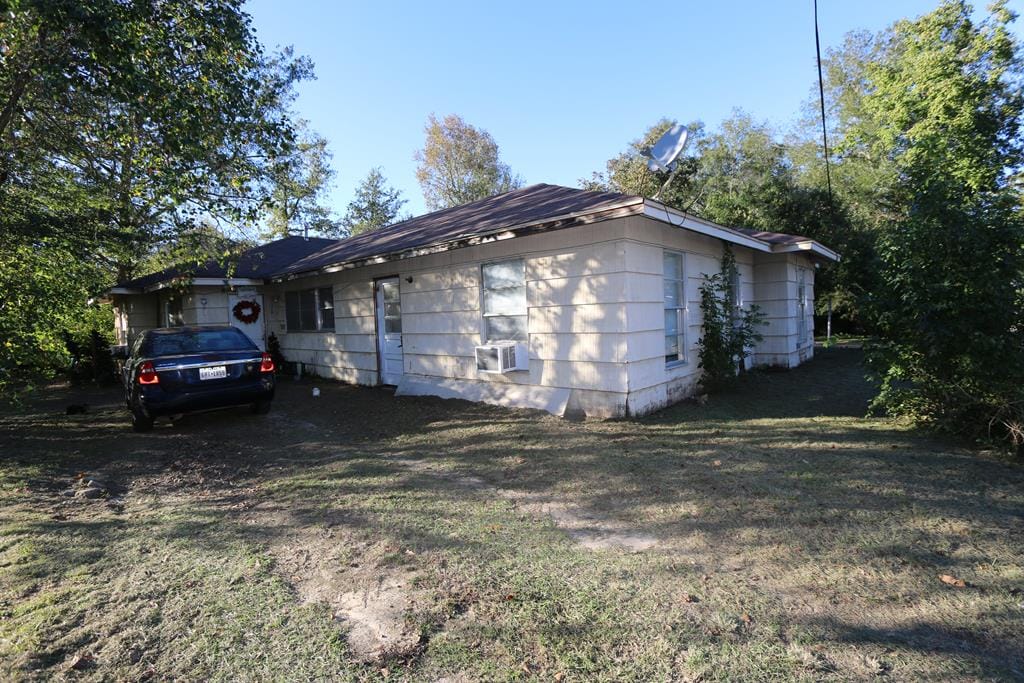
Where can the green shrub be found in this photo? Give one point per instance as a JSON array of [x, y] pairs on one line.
[[274, 349], [729, 332], [88, 341]]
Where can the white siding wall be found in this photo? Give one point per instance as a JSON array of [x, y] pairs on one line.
[[349, 353], [595, 318], [213, 312], [134, 314], [775, 291], [578, 289], [652, 384]]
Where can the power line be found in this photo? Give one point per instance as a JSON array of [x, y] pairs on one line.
[[821, 92]]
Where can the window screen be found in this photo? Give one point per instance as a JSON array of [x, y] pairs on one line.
[[392, 307], [801, 303], [504, 304], [309, 310], [172, 312], [325, 304], [675, 308]]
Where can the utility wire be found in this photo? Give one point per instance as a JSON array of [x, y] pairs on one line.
[[821, 92]]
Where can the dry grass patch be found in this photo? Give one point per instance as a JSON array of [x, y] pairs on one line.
[[796, 540]]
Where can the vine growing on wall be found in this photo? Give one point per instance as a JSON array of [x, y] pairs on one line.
[[730, 330]]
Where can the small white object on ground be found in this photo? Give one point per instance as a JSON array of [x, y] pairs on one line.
[[316, 392]]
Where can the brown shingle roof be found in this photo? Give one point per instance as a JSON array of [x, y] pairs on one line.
[[258, 263], [779, 238], [527, 205]]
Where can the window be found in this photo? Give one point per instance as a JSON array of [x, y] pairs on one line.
[[735, 296], [801, 303], [172, 312], [164, 343], [309, 310], [504, 303], [675, 308], [392, 307], [325, 304], [736, 290]]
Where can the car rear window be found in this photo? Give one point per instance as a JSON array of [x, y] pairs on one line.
[[195, 341]]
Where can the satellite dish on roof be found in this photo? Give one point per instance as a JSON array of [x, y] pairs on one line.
[[663, 155]]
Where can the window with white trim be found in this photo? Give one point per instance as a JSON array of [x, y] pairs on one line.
[[309, 310], [173, 312], [392, 296], [736, 289], [801, 302], [504, 300], [736, 296], [675, 308]]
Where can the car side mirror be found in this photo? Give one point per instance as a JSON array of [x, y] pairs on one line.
[[119, 352]]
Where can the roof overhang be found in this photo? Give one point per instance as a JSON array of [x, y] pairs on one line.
[[674, 217], [632, 207], [680, 219], [193, 282], [809, 246]]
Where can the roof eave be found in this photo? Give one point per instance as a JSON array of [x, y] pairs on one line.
[[679, 219], [194, 282], [633, 206], [205, 282], [815, 248], [667, 214]]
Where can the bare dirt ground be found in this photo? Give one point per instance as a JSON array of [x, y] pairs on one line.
[[774, 533]]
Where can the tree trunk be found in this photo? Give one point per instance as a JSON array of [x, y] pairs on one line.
[[19, 85]]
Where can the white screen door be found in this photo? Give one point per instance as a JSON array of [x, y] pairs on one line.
[[254, 329], [389, 331]]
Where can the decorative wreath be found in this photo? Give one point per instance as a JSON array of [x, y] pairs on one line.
[[247, 312]]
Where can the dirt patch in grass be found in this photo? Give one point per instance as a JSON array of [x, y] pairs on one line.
[[370, 597], [795, 540], [590, 530]]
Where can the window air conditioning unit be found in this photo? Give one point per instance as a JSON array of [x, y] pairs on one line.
[[501, 357]]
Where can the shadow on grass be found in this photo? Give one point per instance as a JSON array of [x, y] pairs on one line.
[[786, 461]]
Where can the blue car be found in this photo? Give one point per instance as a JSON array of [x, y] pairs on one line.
[[174, 370]]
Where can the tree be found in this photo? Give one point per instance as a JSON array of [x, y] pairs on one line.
[[121, 105], [460, 164], [376, 204], [944, 108], [122, 124], [743, 175], [628, 173], [749, 177], [195, 247], [298, 183]]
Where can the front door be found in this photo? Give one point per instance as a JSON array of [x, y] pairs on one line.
[[245, 311], [389, 331]]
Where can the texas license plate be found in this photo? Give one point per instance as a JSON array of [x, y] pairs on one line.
[[216, 372]]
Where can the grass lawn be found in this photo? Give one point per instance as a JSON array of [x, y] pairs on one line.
[[771, 534]]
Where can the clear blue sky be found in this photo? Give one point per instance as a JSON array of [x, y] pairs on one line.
[[561, 86]]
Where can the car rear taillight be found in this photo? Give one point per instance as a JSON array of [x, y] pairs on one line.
[[267, 364], [147, 374]]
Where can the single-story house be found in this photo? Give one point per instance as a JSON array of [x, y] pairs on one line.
[[572, 301], [208, 294]]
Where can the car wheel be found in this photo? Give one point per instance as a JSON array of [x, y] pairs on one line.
[[261, 407], [141, 422]]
